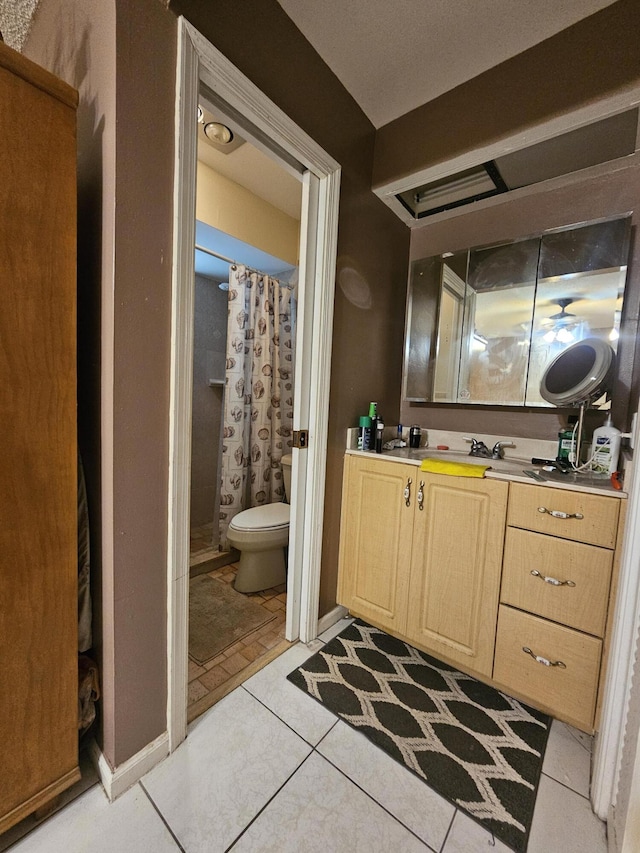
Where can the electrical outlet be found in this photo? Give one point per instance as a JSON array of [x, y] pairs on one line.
[[634, 419]]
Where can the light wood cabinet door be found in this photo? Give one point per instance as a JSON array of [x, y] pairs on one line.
[[375, 540], [456, 567]]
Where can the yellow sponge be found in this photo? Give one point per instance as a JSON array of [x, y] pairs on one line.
[[457, 469]]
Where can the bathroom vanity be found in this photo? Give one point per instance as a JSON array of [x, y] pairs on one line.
[[508, 580]]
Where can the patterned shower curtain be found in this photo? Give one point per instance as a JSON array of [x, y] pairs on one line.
[[258, 397]]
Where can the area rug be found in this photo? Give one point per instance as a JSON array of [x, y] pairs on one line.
[[480, 749], [219, 617]]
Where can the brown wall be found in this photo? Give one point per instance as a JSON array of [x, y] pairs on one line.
[[589, 61], [373, 245], [612, 194], [121, 57], [145, 75]]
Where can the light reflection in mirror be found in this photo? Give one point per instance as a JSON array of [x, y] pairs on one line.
[[483, 324]]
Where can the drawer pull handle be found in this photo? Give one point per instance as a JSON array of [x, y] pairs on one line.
[[557, 513], [552, 581], [407, 492], [544, 661], [421, 495]]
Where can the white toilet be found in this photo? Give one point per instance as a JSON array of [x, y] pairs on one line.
[[261, 534]]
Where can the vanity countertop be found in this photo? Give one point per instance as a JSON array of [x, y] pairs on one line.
[[510, 469]]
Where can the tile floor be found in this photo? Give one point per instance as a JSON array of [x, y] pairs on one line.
[[208, 682], [269, 769]]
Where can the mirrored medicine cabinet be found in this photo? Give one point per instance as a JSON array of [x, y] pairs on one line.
[[484, 323]]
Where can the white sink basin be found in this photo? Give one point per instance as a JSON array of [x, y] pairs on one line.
[[503, 465]]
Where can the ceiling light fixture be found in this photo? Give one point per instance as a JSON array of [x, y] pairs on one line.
[[562, 324], [218, 132]]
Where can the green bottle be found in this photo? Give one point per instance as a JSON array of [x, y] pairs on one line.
[[567, 442]]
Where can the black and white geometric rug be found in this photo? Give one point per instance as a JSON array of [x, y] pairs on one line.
[[480, 749]]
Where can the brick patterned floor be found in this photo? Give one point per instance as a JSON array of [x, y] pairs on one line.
[[204, 679]]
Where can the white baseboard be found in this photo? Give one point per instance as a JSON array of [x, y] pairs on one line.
[[117, 780], [329, 619]]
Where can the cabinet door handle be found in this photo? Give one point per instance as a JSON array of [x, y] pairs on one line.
[[407, 492], [421, 495], [544, 661], [556, 513], [552, 581]]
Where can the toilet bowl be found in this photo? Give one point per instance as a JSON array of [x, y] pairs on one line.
[[261, 535]]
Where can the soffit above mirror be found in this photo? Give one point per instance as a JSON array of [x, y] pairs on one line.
[[592, 145]]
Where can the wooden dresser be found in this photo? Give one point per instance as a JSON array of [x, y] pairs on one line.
[[38, 480]]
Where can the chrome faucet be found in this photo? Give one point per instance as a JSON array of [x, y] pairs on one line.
[[498, 452], [479, 448]]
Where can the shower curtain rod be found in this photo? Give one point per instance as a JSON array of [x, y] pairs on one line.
[[231, 261]]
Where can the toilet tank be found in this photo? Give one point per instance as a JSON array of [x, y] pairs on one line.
[[286, 475]]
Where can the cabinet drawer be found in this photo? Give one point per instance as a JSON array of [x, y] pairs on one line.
[[583, 605], [597, 526], [569, 692]]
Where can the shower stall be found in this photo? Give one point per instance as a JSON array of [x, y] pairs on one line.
[[223, 337]]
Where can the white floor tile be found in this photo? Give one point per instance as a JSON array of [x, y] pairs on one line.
[[305, 715], [408, 798], [563, 822], [467, 836], [567, 760], [334, 630], [229, 767], [91, 823], [318, 811]]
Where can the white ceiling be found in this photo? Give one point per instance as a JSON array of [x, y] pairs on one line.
[[395, 56]]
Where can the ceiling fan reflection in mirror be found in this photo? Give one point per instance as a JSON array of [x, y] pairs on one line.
[[561, 324]]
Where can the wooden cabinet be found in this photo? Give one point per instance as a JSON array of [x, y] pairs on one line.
[[375, 551], [455, 569], [38, 482], [421, 557], [510, 582], [558, 562]]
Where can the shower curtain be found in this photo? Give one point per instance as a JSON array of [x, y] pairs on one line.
[[258, 396]]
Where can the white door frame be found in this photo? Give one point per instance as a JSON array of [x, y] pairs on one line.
[[623, 665], [199, 60]]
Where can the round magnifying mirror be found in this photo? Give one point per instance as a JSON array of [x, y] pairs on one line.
[[582, 372]]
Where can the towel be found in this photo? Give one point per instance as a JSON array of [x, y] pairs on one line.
[[457, 469]]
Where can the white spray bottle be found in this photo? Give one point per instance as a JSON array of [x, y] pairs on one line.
[[605, 448]]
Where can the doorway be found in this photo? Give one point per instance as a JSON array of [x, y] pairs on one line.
[[234, 631], [266, 126]]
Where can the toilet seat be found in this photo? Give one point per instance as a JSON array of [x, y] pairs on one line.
[[266, 517]]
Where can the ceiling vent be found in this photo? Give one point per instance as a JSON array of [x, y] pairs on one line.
[[592, 145]]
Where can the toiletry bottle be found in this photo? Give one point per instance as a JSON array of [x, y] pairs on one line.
[[373, 414], [364, 433], [566, 441], [379, 431], [605, 448]]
